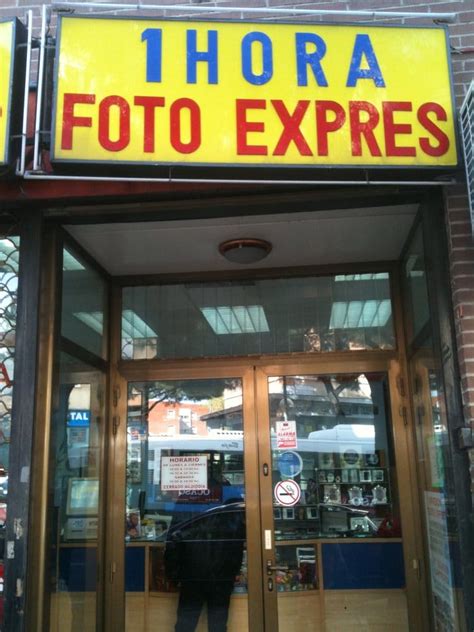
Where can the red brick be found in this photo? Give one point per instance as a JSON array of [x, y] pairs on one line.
[[458, 205], [464, 283], [467, 384], [457, 215], [460, 228], [459, 253], [467, 313], [465, 241], [467, 339]]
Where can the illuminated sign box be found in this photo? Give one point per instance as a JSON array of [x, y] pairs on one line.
[[12, 69], [239, 94]]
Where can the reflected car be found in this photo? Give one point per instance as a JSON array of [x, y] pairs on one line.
[[3, 486], [228, 521], [208, 524], [208, 547]]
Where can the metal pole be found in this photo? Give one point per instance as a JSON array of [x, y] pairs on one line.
[[39, 94], [31, 175], [445, 17], [24, 128]]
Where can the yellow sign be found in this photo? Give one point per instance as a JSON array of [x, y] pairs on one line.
[[137, 91], [7, 36]]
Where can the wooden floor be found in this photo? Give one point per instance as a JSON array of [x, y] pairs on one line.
[[331, 611]]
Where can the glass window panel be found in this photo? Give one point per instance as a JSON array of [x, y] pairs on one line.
[[335, 512], [185, 506], [73, 512], [297, 315], [416, 291], [439, 501], [435, 467], [9, 255], [83, 304], [339, 451]]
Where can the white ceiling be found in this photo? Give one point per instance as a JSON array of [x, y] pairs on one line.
[[310, 238]]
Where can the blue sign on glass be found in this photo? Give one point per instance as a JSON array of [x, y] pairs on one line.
[[290, 464], [78, 418]]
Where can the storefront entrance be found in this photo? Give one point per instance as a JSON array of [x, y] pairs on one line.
[[271, 497], [234, 451], [264, 496]]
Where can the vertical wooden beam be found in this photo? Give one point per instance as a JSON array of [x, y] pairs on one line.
[[23, 410], [38, 589]]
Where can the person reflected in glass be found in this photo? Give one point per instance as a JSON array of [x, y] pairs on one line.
[[204, 556]]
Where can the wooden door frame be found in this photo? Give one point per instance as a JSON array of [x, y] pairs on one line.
[[406, 475], [120, 370], [254, 374], [117, 445]]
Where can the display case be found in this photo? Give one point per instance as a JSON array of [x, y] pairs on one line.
[[343, 494]]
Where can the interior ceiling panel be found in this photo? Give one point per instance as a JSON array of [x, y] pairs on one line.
[[298, 239]]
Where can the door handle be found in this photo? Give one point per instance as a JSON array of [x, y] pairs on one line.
[[271, 569]]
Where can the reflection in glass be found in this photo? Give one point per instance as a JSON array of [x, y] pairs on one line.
[[416, 291], [185, 506], [437, 479], [74, 497], [83, 301], [435, 467], [339, 539], [297, 315], [335, 431], [9, 256]]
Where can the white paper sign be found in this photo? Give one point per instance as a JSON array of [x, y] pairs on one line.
[[440, 561], [156, 465], [183, 472], [286, 434]]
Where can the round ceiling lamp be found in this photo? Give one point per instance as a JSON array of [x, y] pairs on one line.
[[245, 250]]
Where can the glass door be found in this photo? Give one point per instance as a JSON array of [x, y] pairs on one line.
[[191, 505], [265, 498], [334, 542]]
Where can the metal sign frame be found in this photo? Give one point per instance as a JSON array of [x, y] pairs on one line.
[[231, 173], [15, 106]]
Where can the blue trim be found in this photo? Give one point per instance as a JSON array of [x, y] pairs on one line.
[[363, 565], [135, 569]]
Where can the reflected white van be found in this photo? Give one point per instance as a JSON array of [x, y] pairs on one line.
[[358, 437]]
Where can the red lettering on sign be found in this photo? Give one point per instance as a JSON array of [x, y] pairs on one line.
[[324, 126], [431, 127], [291, 128], [149, 105], [104, 123], [244, 127], [358, 123], [69, 120], [391, 129], [175, 126], [365, 128]]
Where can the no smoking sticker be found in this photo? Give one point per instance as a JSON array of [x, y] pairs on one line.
[[287, 493]]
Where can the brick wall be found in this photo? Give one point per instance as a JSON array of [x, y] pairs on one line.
[[461, 248]]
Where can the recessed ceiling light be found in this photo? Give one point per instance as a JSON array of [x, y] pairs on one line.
[[245, 250], [237, 319]]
